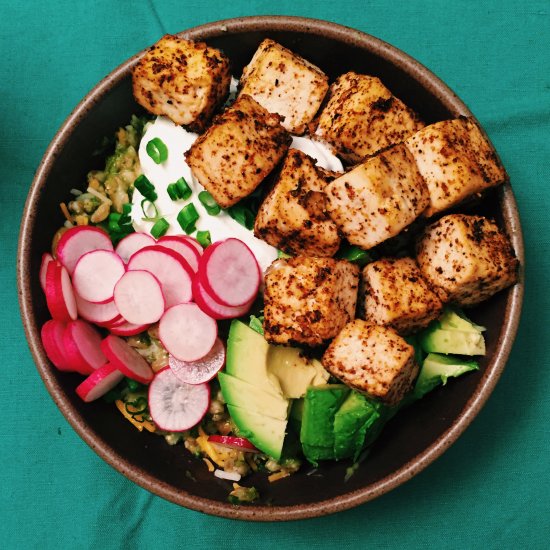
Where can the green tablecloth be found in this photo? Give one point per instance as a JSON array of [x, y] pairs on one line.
[[490, 490]]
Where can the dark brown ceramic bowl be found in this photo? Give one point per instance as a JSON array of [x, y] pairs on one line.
[[411, 441]]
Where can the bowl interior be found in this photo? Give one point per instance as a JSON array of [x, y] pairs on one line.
[[409, 442]]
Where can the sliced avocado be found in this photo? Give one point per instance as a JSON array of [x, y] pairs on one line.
[[252, 398], [452, 319], [296, 414], [437, 368], [351, 422], [317, 431], [266, 433], [438, 340], [294, 371], [246, 358]]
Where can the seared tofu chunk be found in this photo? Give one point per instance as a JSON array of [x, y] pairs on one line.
[[183, 80], [456, 161], [362, 117], [378, 198], [238, 151], [466, 259], [308, 300], [293, 216], [286, 84], [372, 359], [397, 295]]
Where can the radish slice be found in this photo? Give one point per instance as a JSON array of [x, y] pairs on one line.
[[213, 308], [77, 241], [187, 332], [52, 340], [132, 243], [126, 359], [96, 275], [99, 382], [232, 442], [101, 314], [192, 241], [186, 250], [230, 273], [59, 293], [127, 329], [173, 272], [174, 405], [203, 370], [138, 297], [82, 344], [46, 259]]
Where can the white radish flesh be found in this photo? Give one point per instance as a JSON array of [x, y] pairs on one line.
[[80, 240], [99, 382], [96, 275], [101, 314], [174, 405], [138, 297], [230, 273], [187, 332], [82, 344], [192, 241], [132, 243], [46, 259], [126, 359], [59, 293], [52, 340], [127, 329], [186, 250], [203, 370], [213, 308], [174, 274]]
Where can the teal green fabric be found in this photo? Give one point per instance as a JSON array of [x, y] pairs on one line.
[[490, 490]]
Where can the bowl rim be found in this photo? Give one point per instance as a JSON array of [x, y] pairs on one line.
[[253, 512]]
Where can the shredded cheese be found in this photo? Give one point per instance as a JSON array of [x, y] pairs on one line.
[[209, 464], [232, 476], [149, 426], [277, 475], [66, 212]]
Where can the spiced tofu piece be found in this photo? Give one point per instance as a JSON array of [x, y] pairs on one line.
[[308, 300], [377, 199], [397, 295], [293, 216], [238, 151], [466, 259], [362, 117], [183, 80], [372, 359], [286, 84], [456, 161]]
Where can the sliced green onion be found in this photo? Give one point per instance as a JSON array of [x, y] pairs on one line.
[[160, 228], [114, 220], [172, 191], [356, 255], [283, 255], [184, 191], [147, 217], [157, 150], [146, 188], [187, 218], [204, 238], [242, 214], [210, 205]]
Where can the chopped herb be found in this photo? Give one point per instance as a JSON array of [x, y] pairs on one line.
[[184, 190], [187, 218], [283, 255], [210, 205], [355, 255], [145, 205], [157, 150], [160, 228], [204, 238], [146, 188], [242, 214]]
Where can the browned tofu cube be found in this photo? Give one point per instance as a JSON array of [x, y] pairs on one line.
[[466, 259], [183, 80], [397, 295], [308, 300], [372, 359], [362, 117], [377, 199], [286, 84], [238, 151], [456, 161], [293, 216]]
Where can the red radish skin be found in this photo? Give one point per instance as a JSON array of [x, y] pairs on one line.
[[203, 370], [128, 329], [96, 275], [192, 241], [82, 344], [77, 241], [46, 259], [230, 273], [126, 359], [52, 339], [59, 293], [138, 297], [173, 272], [132, 243], [174, 405], [186, 250], [100, 314], [213, 308], [187, 332], [232, 442], [99, 382]]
